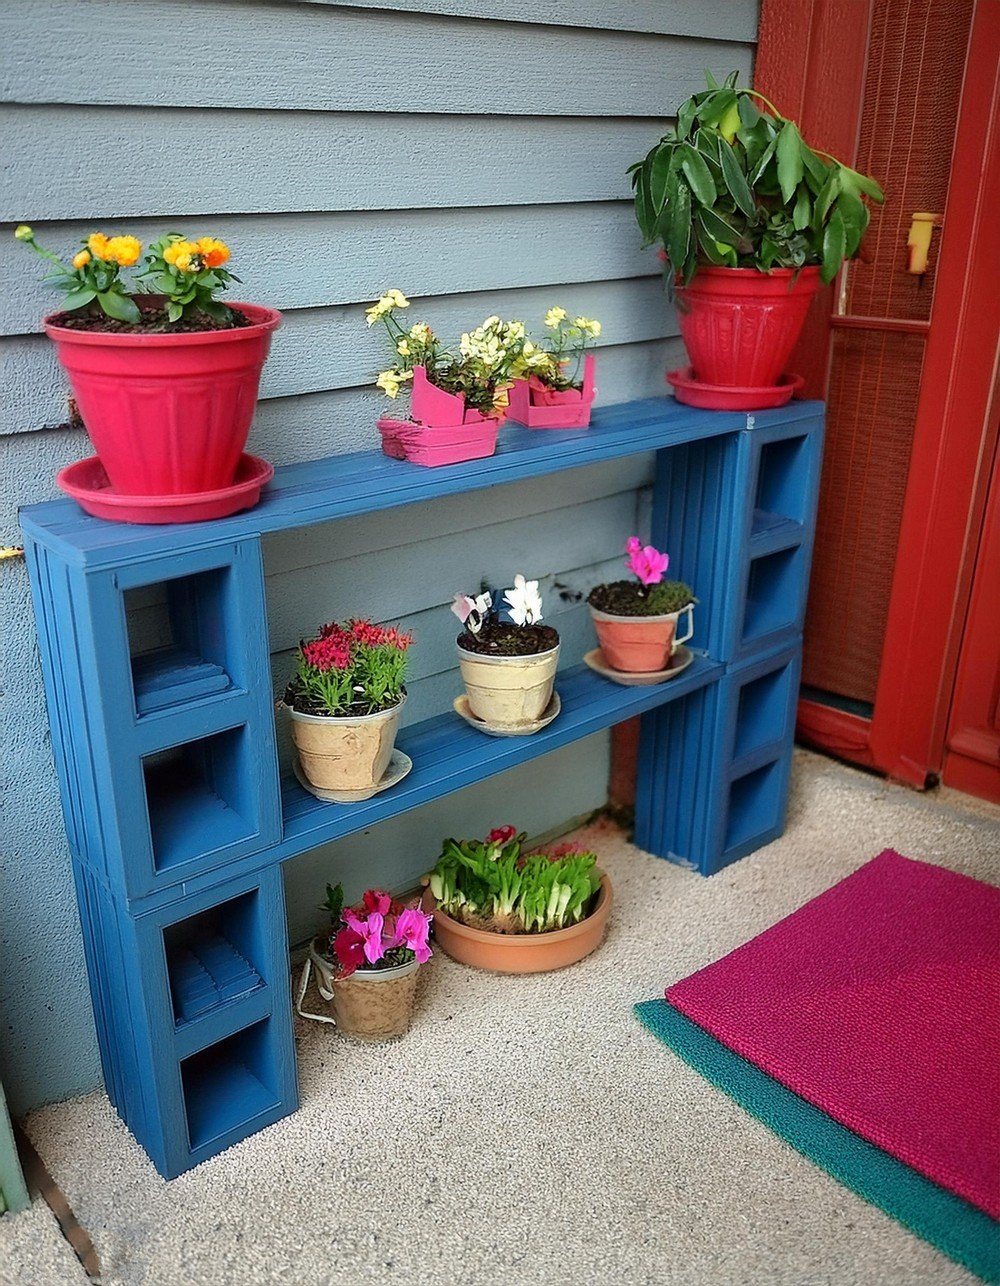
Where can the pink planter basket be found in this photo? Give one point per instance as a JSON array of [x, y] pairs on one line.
[[739, 325], [537, 406], [441, 430], [168, 414]]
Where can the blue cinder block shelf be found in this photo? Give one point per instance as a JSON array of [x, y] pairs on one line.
[[177, 814]]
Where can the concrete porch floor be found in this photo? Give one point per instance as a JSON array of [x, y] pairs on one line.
[[527, 1130]]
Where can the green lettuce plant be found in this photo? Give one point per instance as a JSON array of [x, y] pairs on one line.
[[491, 884], [733, 184]]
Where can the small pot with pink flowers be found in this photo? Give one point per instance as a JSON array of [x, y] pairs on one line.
[[366, 963], [345, 703], [638, 622]]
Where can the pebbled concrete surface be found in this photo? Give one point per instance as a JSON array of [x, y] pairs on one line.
[[529, 1130]]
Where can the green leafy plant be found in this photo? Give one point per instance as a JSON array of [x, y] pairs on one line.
[[188, 274], [92, 276], [490, 884], [735, 185]]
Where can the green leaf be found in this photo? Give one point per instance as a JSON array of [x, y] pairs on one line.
[[790, 165], [855, 215], [827, 196], [78, 299], [812, 164], [658, 174], [685, 118], [803, 208], [717, 107], [735, 180], [749, 115], [710, 80], [863, 183], [717, 228], [713, 251], [174, 311], [644, 207], [120, 307], [679, 228], [764, 162], [834, 244], [698, 175]]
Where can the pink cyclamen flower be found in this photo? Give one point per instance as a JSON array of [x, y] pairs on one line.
[[412, 927], [370, 933], [377, 900], [645, 562], [462, 606]]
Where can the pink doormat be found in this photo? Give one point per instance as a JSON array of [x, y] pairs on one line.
[[878, 1002]]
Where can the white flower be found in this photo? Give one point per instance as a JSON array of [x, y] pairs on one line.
[[524, 601]]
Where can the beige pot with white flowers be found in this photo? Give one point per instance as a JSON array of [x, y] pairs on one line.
[[508, 664]]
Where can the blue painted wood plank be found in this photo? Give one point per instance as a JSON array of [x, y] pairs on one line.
[[367, 481]]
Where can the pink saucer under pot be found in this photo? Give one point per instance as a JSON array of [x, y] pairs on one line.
[[724, 397], [87, 482]]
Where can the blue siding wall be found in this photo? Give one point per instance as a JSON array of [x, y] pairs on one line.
[[473, 159]]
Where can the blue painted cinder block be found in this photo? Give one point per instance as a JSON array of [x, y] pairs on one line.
[[176, 815]]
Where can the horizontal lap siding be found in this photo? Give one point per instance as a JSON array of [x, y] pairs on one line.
[[468, 154]]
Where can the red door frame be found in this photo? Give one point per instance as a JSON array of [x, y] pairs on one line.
[[811, 61]]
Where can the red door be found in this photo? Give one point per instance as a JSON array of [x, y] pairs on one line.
[[907, 90]]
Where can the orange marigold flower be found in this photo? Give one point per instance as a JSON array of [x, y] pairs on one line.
[[214, 253], [97, 244], [125, 251], [81, 259]]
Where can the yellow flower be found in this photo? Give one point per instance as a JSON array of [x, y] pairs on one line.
[[23, 232], [422, 333], [389, 382], [181, 254], [81, 259], [403, 348], [588, 325], [124, 251], [214, 253], [97, 244], [554, 316], [396, 298]]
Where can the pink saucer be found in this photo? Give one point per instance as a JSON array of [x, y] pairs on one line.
[[87, 482], [725, 397]]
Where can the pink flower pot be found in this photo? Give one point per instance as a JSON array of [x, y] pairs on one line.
[[537, 406], [168, 414], [441, 431], [739, 325]]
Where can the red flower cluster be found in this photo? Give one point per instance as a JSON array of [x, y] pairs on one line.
[[363, 631], [501, 835], [331, 651]]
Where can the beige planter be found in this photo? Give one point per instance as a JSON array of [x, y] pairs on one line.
[[372, 1004], [345, 753], [509, 691]]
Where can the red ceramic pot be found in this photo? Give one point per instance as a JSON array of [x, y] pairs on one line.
[[739, 325], [168, 414]]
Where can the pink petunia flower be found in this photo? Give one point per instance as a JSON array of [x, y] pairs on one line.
[[377, 900], [412, 928], [645, 562], [348, 947]]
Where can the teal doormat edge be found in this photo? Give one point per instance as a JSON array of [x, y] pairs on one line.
[[959, 1230]]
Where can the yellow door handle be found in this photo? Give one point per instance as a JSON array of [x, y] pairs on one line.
[[919, 241]]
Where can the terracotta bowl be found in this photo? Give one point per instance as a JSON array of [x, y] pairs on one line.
[[523, 952]]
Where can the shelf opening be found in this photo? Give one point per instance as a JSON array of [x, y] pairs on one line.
[[774, 593], [178, 639], [214, 957], [783, 479], [200, 797], [762, 712], [755, 804], [227, 1085]]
